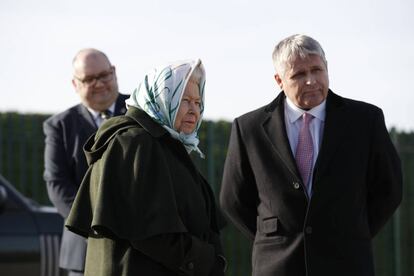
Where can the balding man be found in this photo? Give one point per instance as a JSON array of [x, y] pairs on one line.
[[94, 79]]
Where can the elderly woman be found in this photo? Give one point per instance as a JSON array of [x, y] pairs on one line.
[[143, 205]]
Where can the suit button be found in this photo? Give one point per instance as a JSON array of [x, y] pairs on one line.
[[296, 185], [308, 230], [190, 266]]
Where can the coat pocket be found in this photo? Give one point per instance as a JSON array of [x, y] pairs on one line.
[[267, 226], [267, 232]]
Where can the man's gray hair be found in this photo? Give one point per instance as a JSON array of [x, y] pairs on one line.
[[295, 46]]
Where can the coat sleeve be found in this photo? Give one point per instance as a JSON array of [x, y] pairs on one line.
[[384, 177], [60, 183], [238, 196]]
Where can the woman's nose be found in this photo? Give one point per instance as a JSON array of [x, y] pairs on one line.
[[194, 107]]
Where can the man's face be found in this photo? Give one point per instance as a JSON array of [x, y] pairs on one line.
[[95, 81], [305, 81]]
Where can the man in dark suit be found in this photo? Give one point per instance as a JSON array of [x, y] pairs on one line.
[[311, 177], [95, 81]]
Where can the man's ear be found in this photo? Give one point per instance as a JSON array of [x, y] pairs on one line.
[[279, 81], [75, 84], [113, 68]]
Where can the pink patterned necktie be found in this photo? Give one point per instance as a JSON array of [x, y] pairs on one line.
[[304, 149]]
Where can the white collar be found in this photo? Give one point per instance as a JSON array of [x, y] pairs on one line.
[[294, 112]]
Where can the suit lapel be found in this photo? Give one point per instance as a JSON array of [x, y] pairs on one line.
[[336, 126], [120, 106], [275, 129], [87, 122]]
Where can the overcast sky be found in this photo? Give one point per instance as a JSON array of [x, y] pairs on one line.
[[369, 46]]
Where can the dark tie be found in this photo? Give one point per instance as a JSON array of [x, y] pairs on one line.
[[105, 114], [304, 149]]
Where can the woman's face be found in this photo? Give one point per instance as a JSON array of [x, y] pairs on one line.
[[189, 111]]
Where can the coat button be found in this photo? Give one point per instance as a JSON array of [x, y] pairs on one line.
[[296, 185], [190, 266], [308, 230]]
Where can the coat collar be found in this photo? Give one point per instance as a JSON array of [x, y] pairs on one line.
[[146, 122], [157, 131], [97, 143]]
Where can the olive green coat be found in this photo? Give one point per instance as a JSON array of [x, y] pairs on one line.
[[143, 205]]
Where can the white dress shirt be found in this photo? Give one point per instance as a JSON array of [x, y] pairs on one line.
[[293, 121]]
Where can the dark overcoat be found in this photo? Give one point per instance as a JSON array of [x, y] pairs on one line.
[[357, 185], [143, 205]]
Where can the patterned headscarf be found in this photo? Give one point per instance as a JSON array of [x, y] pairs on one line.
[[160, 93]]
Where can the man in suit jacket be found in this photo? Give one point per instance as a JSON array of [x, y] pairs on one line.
[[311, 190], [95, 81]]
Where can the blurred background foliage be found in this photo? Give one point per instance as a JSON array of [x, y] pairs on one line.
[[21, 162]]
